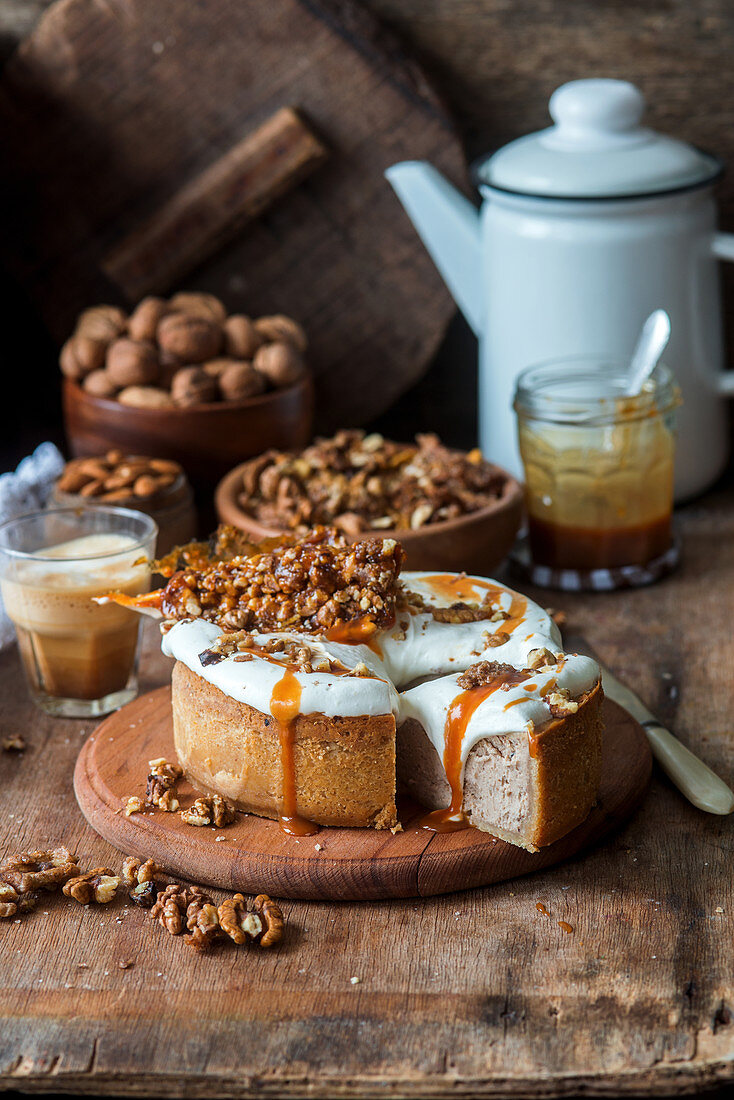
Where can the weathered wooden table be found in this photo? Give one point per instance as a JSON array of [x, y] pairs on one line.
[[473, 994]]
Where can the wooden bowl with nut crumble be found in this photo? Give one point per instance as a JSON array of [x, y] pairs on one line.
[[183, 379], [450, 509]]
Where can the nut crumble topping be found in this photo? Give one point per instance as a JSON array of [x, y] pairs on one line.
[[309, 586]]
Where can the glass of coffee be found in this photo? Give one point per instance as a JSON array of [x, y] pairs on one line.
[[80, 657]]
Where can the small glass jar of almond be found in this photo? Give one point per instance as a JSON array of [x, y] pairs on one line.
[[156, 486]]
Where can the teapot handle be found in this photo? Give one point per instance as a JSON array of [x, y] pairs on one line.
[[722, 246]]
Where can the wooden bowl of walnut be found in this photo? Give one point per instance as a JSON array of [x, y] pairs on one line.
[[205, 439], [476, 541], [180, 378]]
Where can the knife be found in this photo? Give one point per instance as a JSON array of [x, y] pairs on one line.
[[691, 776]]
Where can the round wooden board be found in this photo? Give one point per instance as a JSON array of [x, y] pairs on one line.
[[107, 110], [352, 863]]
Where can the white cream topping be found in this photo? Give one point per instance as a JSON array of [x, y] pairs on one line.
[[416, 647], [504, 711], [252, 682]]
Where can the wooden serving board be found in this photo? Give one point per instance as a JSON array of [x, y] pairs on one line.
[[351, 863], [125, 129]]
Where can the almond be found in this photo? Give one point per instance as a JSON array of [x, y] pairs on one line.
[[145, 397]]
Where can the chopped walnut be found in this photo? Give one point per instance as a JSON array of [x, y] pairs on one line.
[[145, 894], [202, 921], [561, 703], [239, 923], [492, 673], [160, 789], [462, 613], [309, 586], [496, 639], [360, 482], [541, 658], [98, 885], [210, 810], [272, 917], [136, 871], [8, 901], [14, 744], [40, 870], [171, 905], [134, 805]]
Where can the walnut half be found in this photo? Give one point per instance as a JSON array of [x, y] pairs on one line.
[[99, 884]]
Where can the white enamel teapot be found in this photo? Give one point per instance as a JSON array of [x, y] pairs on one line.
[[586, 228]]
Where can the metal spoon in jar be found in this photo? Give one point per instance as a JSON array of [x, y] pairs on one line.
[[651, 344]]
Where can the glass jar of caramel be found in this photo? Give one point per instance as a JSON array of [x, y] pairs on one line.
[[598, 471]]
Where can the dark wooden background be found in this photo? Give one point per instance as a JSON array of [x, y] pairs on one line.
[[495, 63]]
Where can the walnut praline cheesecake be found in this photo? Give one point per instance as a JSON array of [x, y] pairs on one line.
[[312, 678]]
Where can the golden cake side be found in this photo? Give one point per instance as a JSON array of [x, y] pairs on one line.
[[344, 767]]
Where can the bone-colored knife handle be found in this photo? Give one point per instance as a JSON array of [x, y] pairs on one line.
[[694, 778]]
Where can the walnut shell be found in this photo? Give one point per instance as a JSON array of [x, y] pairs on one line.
[[81, 354], [198, 304], [193, 386], [280, 363], [216, 367], [145, 397], [240, 381], [189, 339], [99, 384], [279, 327], [102, 322], [241, 338], [132, 362], [144, 319]]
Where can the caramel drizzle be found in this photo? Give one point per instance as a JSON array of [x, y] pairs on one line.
[[285, 702], [355, 632], [460, 713], [459, 587]]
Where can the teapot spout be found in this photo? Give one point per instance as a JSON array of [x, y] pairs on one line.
[[448, 225]]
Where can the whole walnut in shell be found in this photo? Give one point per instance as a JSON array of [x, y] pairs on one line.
[[145, 397], [198, 304], [280, 327], [193, 386], [241, 338], [103, 323], [188, 338], [240, 381], [280, 363], [82, 354], [132, 362], [145, 318], [99, 384]]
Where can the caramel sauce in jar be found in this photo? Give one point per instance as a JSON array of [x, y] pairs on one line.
[[598, 464]]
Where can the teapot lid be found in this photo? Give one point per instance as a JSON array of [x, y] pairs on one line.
[[596, 149]]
